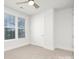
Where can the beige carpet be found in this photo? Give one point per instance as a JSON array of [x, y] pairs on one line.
[[35, 52]]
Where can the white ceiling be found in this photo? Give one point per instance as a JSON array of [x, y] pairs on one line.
[[44, 4]]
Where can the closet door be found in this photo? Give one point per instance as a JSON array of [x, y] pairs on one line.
[[37, 30], [42, 30], [49, 30]]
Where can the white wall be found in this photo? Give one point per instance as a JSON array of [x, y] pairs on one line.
[[14, 43], [42, 29], [63, 29]]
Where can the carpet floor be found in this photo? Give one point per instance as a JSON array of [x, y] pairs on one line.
[[35, 52]]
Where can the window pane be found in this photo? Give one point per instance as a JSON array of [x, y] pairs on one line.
[[9, 26], [21, 23], [9, 33], [9, 21], [21, 27], [21, 33]]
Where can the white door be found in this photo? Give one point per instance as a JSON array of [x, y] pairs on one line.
[[37, 30]]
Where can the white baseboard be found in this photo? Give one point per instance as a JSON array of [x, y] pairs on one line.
[[43, 46], [68, 49], [17, 46]]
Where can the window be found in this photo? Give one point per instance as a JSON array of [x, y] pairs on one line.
[[9, 26], [21, 27]]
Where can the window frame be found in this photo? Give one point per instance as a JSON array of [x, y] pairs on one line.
[[22, 29], [11, 28], [16, 27]]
